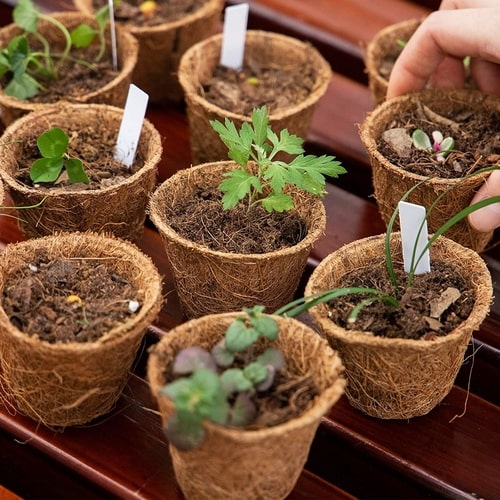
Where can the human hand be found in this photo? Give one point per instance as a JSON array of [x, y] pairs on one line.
[[436, 50], [434, 55]]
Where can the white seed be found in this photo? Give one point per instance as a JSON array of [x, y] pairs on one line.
[[133, 306], [33, 268]]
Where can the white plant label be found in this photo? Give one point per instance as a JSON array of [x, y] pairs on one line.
[[112, 29], [233, 36], [411, 218], [131, 125]]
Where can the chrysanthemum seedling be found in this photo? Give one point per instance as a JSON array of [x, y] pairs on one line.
[[256, 142], [53, 146], [439, 145]]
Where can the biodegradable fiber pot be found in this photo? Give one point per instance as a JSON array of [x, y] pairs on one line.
[[162, 46], [395, 378], [235, 463], [381, 53], [209, 281], [113, 93], [63, 384], [264, 48], [391, 182], [118, 208]]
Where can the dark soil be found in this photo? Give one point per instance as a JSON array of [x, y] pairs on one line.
[[256, 85], [94, 146], [167, 11], [239, 230], [424, 312], [67, 300], [477, 142]]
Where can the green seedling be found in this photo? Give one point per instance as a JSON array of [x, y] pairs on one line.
[[25, 68], [212, 386], [53, 146], [256, 142], [439, 145]]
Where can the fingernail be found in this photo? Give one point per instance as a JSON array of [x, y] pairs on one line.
[[486, 219]]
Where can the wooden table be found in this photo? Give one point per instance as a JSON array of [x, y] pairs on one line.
[[454, 452]]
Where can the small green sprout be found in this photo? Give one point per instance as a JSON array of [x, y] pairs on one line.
[[258, 143], [212, 386], [26, 68], [53, 146], [440, 145]]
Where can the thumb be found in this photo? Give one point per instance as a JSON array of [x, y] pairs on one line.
[[487, 218]]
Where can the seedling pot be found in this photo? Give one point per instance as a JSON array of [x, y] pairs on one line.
[[63, 384], [391, 182], [265, 48], [118, 208], [385, 45], [209, 281], [236, 463], [393, 378], [114, 93], [162, 46]]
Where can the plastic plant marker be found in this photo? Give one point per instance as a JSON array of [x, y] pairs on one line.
[[112, 29], [414, 237], [233, 36], [131, 125]]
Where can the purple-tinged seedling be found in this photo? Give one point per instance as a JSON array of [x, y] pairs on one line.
[[439, 144]]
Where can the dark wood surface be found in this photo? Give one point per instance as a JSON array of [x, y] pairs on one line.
[[451, 453]]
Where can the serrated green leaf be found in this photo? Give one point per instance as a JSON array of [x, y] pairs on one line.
[[233, 380], [260, 122], [75, 170], [26, 15], [53, 143], [239, 337], [46, 169], [236, 186], [83, 35], [278, 175], [266, 326], [280, 202], [290, 143], [255, 372]]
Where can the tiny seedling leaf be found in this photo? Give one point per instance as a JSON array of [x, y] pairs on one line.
[[243, 411], [233, 380], [421, 140], [239, 336], [75, 170], [191, 359], [26, 15], [46, 169], [53, 143], [82, 35]]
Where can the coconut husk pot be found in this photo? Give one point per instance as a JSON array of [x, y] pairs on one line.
[[264, 48], [209, 281], [118, 207], [162, 46], [114, 93], [391, 182], [382, 52], [394, 378], [269, 460], [71, 383]]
